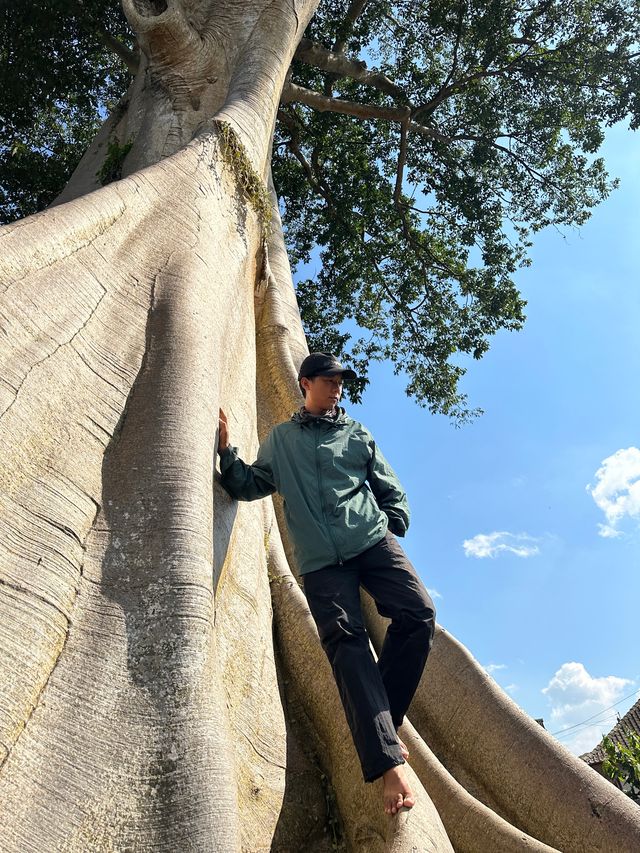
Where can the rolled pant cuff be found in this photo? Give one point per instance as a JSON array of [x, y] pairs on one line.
[[371, 776]]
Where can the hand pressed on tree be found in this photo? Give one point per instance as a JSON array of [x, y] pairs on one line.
[[223, 431]]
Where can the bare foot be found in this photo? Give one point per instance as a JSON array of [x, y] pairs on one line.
[[403, 749], [396, 793]]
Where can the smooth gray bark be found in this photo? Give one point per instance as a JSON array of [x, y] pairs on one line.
[[143, 703]]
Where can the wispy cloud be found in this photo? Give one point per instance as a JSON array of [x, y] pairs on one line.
[[433, 592], [500, 542], [581, 709], [617, 490], [494, 667]]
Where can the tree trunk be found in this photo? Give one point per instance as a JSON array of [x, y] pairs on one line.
[[145, 702]]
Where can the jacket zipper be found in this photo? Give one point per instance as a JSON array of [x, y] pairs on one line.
[[316, 428]]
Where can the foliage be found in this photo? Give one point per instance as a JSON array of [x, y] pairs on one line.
[[111, 169], [622, 764], [519, 94], [418, 249], [56, 81]]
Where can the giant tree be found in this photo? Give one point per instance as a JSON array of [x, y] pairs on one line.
[[146, 702]]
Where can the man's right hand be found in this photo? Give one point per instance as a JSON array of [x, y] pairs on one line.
[[223, 432]]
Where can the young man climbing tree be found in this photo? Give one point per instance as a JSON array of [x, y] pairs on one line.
[[343, 503]]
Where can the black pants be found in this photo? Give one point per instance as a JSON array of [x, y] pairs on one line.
[[375, 696]]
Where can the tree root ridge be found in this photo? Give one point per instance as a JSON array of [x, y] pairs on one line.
[[366, 825], [523, 775]]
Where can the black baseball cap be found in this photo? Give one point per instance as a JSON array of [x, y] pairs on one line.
[[324, 364]]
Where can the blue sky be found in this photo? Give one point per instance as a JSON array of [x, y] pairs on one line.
[[541, 598]]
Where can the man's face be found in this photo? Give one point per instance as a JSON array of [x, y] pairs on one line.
[[323, 392]]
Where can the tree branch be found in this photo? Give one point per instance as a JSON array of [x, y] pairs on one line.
[[449, 89], [322, 103], [454, 60], [315, 179], [129, 57], [339, 65], [402, 158], [543, 179], [344, 30], [353, 13]]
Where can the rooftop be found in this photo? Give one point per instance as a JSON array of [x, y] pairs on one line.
[[618, 734]]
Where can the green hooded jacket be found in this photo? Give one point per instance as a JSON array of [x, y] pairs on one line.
[[340, 493]]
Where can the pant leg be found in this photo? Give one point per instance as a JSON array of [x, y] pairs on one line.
[[333, 594], [400, 595]]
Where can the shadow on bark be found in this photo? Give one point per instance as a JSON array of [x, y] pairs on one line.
[[309, 820]]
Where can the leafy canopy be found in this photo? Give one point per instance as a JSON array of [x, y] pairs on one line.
[[419, 146], [57, 78]]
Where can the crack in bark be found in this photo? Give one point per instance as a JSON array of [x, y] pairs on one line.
[[103, 225], [92, 369], [265, 758], [69, 623], [53, 352], [16, 587]]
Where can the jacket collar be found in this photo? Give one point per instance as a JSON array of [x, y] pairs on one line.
[[337, 418]]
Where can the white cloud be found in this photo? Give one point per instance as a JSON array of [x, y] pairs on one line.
[[608, 532], [433, 592], [494, 667], [492, 544], [617, 489], [577, 697]]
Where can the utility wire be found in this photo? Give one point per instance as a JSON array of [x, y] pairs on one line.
[[610, 720], [597, 714]]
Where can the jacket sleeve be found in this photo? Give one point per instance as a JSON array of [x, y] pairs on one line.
[[247, 482], [389, 494]]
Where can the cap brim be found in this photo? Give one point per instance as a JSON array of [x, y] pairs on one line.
[[347, 374]]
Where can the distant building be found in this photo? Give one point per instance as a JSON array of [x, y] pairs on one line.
[[618, 734]]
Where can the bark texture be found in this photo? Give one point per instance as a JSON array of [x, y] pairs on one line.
[[162, 686]]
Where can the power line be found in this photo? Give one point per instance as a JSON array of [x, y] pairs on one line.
[[610, 720], [597, 714]]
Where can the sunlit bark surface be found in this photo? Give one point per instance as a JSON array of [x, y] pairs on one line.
[[162, 686]]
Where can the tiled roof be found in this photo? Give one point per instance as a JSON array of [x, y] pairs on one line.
[[618, 734]]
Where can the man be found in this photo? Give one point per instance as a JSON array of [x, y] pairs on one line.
[[343, 503]]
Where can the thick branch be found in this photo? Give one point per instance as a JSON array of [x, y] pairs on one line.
[[322, 103], [340, 66]]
